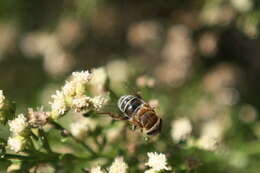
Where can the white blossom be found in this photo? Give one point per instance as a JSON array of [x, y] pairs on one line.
[[69, 89], [16, 143], [118, 72], [181, 129], [82, 104], [37, 118], [208, 143], [2, 98], [99, 101], [58, 105], [80, 128], [96, 170], [81, 77], [211, 135], [242, 5], [19, 125], [157, 162], [98, 80], [118, 166]]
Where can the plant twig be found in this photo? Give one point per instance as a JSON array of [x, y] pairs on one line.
[[44, 139], [59, 127]]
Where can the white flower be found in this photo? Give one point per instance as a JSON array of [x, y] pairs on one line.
[[150, 171], [80, 128], [99, 77], [96, 170], [99, 101], [37, 118], [2, 98], [242, 5], [19, 125], [69, 89], [118, 166], [208, 143], [157, 162], [82, 104], [211, 135], [181, 129], [58, 105], [81, 77], [16, 143], [118, 72]]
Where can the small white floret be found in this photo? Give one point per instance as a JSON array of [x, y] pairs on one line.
[[80, 128], [99, 101], [16, 143], [157, 162], [81, 77], [69, 89], [81, 104], [181, 129], [118, 166], [18, 125], [99, 77], [96, 170], [59, 104]]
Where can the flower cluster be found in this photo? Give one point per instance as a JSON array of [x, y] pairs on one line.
[[181, 129], [19, 131], [72, 95], [118, 166], [96, 170], [38, 118], [157, 162], [80, 128]]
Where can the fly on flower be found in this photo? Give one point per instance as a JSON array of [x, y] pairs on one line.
[[138, 113]]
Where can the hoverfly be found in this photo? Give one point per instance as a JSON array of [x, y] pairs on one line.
[[138, 113]]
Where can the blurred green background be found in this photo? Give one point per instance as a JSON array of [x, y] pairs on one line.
[[203, 55]]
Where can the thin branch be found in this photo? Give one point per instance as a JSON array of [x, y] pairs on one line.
[[44, 139], [59, 127]]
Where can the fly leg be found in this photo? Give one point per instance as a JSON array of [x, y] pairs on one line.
[[114, 116]]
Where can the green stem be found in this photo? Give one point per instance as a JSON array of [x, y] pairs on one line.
[[59, 127], [39, 158], [98, 144], [14, 156], [44, 139]]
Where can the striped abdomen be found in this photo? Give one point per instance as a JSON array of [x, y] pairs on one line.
[[129, 105]]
